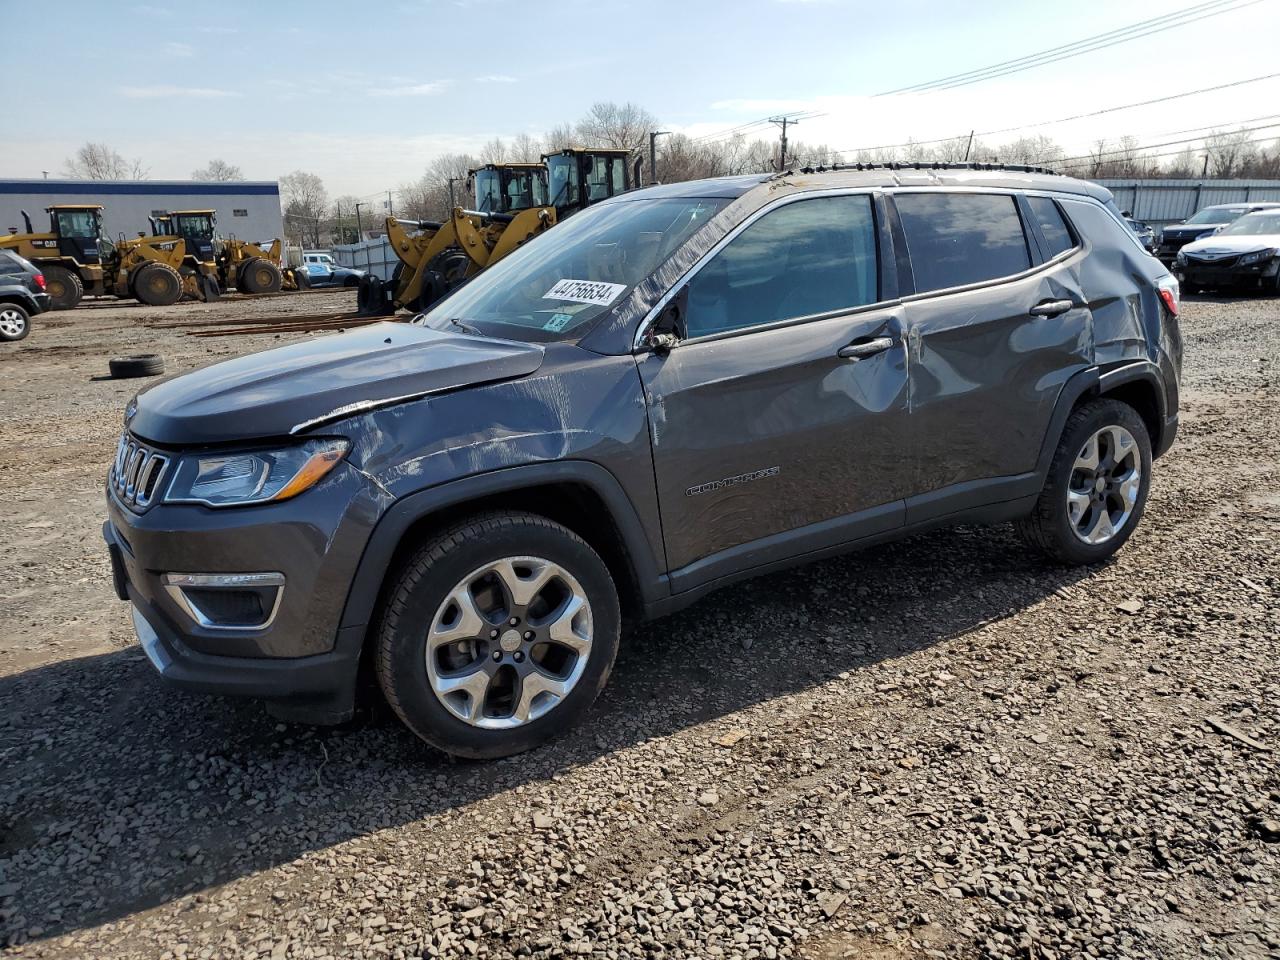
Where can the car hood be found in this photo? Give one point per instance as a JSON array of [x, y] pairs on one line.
[[1232, 246], [1191, 230], [294, 388]]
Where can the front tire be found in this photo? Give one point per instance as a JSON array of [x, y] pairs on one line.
[[498, 635], [1096, 488]]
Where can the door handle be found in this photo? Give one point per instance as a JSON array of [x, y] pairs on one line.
[[860, 350], [1050, 308]]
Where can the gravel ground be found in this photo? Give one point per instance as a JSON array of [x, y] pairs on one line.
[[937, 748]]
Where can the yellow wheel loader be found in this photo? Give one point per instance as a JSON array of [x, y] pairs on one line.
[[76, 259], [256, 267], [69, 254], [515, 202], [197, 230]]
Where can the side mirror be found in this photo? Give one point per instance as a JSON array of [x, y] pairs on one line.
[[669, 327]]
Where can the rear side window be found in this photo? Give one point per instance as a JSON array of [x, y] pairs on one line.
[[10, 265], [808, 257], [960, 238], [1052, 227]]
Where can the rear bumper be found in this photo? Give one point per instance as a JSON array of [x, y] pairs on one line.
[[43, 302]]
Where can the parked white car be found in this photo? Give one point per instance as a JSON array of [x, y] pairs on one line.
[[1244, 254]]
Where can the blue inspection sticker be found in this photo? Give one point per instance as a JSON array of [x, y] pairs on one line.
[[558, 322]]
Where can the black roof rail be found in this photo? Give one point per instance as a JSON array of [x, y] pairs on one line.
[[923, 165]]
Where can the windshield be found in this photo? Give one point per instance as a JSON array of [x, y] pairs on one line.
[[562, 173], [525, 189], [1255, 224], [488, 191], [195, 227], [77, 223], [555, 285], [1217, 215]]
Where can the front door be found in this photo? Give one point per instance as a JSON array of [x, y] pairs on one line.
[[778, 423]]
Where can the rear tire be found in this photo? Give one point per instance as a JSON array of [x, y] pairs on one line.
[[157, 285], [1096, 488], [64, 287], [301, 279], [15, 322], [260, 276], [497, 635]]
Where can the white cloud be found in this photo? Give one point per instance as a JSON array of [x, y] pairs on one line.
[[496, 78], [175, 49], [412, 90], [162, 90]]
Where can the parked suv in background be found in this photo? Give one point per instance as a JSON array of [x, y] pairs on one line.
[[1203, 224], [679, 388], [22, 295]]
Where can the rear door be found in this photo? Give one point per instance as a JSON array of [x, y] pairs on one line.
[[778, 424], [997, 324]]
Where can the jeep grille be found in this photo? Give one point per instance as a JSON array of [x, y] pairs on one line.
[[136, 473]]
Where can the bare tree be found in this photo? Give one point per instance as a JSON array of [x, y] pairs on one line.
[[441, 187], [495, 151], [608, 124], [558, 138], [525, 149], [306, 204], [1229, 153], [98, 161], [218, 170]]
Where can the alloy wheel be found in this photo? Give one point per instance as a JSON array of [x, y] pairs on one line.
[[12, 323], [509, 642], [1105, 481]]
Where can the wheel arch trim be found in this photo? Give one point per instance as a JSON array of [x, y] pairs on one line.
[[1098, 382], [402, 515]]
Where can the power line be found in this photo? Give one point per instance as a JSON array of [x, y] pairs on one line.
[[1168, 143], [1077, 116], [1134, 31], [793, 117], [1147, 156]]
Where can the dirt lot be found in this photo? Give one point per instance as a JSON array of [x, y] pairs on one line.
[[937, 748]]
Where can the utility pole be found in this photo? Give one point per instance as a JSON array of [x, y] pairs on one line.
[[337, 215], [653, 154], [359, 225], [1205, 171], [968, 147], [453, 203], [782, 153], [391, 211]]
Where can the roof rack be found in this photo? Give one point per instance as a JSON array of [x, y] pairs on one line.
[[924, 165]]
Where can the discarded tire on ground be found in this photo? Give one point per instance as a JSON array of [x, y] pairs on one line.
[[140, 365]]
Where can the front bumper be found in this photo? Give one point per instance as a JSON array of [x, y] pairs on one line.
[[1209, 274], [299, 657]]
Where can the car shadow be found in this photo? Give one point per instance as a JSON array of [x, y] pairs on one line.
[[120, 794]]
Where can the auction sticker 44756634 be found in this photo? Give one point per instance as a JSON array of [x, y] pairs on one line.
[[585, 291]]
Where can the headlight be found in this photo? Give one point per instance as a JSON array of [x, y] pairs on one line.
[[1257, 256], [1180, 259], [253, 476]]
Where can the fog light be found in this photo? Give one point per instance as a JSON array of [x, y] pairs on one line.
[[227, 601]]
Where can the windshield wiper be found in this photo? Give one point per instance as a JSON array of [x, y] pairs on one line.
[[466, 327]]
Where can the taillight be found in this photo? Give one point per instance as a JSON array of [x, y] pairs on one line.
[[1170, 293], [39, 279]]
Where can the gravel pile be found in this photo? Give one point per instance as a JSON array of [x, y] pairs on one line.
[[938, 748]]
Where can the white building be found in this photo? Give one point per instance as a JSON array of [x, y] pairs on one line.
[[248, 209]]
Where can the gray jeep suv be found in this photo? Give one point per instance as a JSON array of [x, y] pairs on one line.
[[678, 388]]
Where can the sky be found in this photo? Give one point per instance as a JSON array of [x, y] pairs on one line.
[[366, 94]]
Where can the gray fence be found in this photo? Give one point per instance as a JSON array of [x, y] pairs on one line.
[[1171, 201], [375, 256]]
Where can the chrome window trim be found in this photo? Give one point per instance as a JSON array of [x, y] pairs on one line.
[[638, 344], [175, 582]]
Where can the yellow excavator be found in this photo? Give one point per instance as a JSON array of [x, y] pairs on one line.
[[77, 259], [514, 203]]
